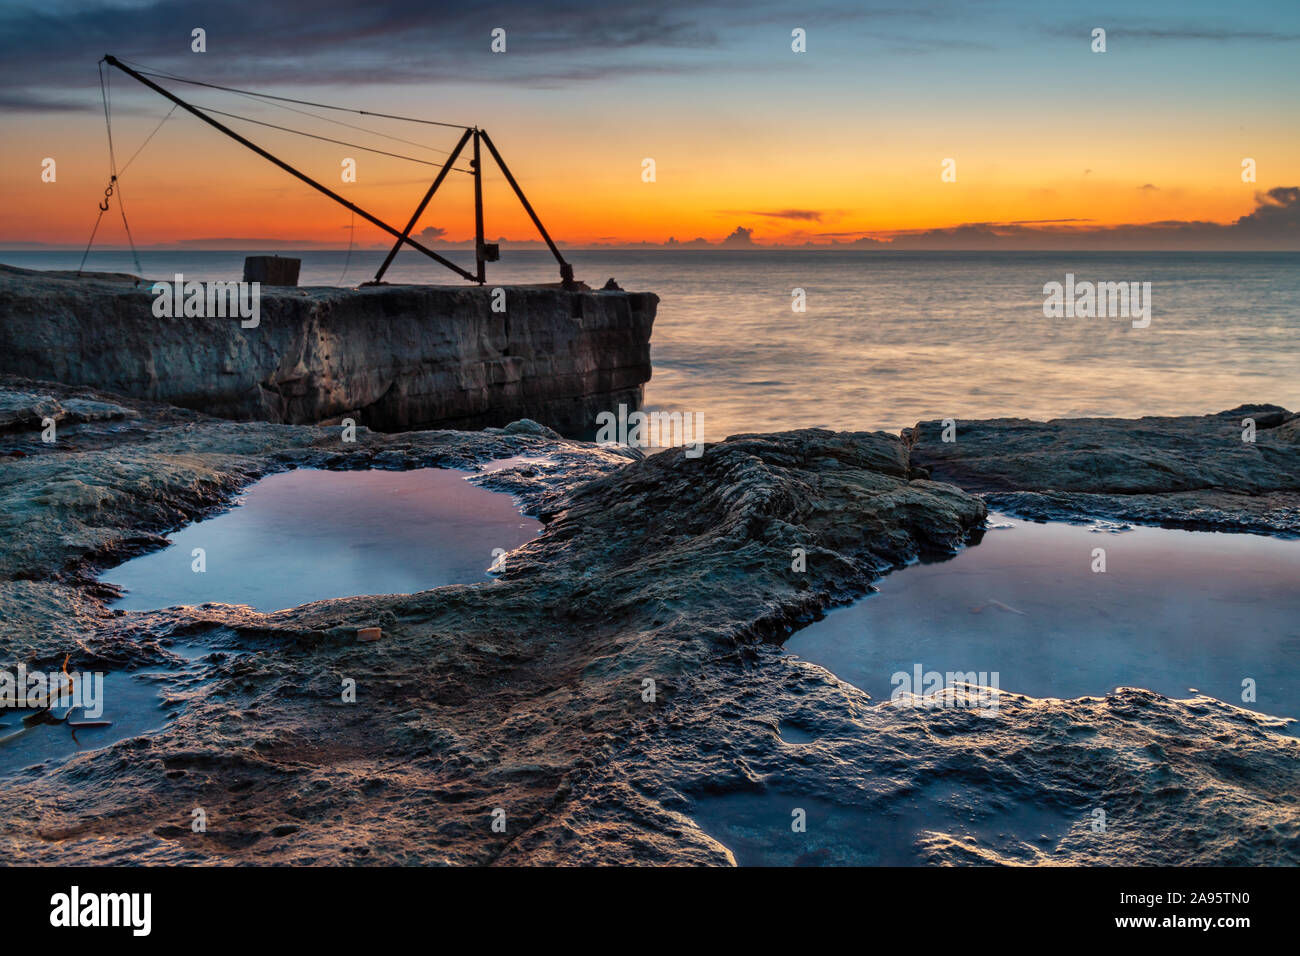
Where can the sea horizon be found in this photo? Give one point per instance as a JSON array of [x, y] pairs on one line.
[[902, 337]]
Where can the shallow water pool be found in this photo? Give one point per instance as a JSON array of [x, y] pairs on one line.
[[128, 705], [308, 535], [1177, 612]]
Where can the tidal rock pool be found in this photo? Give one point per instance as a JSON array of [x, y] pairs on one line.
[[1181, 613], [1030, 610], [794, 829], [117, 706], [308, 535]]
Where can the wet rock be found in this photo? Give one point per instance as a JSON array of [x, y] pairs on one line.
[[28, 411], [526, 426], [86, 410], [1192, 471], [618, 678], [20, 410]]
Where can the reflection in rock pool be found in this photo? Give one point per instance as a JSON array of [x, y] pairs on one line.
[[1178, 612], [124, 705], [308, 535]]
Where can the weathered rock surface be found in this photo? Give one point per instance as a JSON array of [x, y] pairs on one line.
[[21, 411], [527, 693], [392, 357], [1192, 471]]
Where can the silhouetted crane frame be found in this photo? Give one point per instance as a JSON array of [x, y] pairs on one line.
[[484, 252]]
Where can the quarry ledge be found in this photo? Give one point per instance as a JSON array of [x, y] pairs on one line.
[[392, 357]]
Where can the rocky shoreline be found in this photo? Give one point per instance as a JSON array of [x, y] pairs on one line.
[[1196, 472], [526, 693]]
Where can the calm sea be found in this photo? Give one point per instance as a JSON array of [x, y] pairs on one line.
[[888, 339]]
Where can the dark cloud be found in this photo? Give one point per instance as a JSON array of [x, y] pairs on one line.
[[1215, 35], [1040, 222], [549, 43], [803, 215], [741, 237], [1277, 215], [1125, 27], [345, 42], [1274, 224], [22, 101]]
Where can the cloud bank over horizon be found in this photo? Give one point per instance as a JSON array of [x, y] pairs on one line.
[[1274, 225]]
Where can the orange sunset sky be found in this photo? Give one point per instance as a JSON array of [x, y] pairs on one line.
[[1052, 142]]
